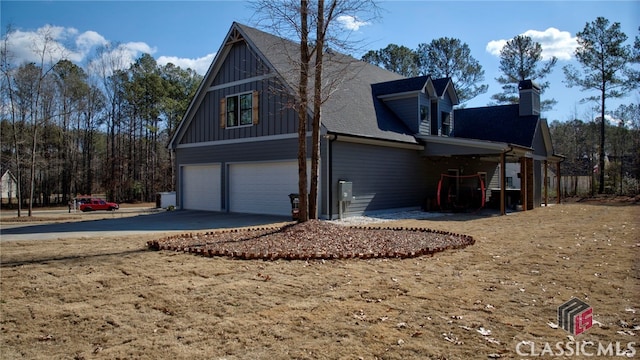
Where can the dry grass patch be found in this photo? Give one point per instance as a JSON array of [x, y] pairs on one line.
[[113, 298]]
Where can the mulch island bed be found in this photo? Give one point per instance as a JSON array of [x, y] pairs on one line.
[[315, 239]]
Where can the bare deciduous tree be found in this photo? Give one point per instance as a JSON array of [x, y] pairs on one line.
[[299, 19], [8, 95]]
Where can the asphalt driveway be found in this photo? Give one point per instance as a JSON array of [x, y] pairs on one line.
[[144, 223]]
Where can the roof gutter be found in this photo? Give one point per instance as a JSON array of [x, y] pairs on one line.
[[359, 139]]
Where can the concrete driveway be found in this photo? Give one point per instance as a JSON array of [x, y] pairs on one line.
[[163, 222]]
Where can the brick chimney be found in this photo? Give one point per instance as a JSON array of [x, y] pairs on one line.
[[529, 98]]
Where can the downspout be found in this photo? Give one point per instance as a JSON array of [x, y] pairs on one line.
[[331, 138], [175, 176], [546, 183]]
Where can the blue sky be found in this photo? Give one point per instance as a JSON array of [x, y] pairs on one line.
[[188, 33]]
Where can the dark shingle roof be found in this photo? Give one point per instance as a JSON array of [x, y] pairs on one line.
[[441, 85], [401, 85], [496, 123], [352, 108]]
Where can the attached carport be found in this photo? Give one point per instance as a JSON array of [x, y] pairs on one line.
[[499, 152]]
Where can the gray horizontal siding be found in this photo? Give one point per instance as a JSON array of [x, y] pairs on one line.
[[406, 109], [383, 177]]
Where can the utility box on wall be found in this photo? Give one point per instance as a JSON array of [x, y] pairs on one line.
[[345, 191]]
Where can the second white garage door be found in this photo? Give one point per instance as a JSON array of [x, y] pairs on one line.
[[262, 188], [201, 187]]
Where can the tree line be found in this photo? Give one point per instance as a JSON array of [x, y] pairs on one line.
[[102, 128], [607, 67], [578, 141]]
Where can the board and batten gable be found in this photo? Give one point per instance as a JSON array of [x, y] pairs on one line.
[[241, 63], [213, 156], [243, 72]]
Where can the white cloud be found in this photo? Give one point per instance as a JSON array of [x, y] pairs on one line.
[[69, 43], [351, 22], [553, 41], [132, 50], [89, 39], [199, 65], [118, 56], [615, 121], [139, 47], [30, 46], [56, 43], [494, 46]]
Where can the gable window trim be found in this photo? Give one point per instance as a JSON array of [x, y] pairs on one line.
[[445, 126], [239, 110]]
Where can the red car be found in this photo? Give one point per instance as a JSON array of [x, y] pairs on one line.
[[94, 204]]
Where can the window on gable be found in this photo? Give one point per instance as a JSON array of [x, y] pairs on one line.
[[446, 123], [239, 110], [434, 117], [232, 113], [424, 112], [246, 109]]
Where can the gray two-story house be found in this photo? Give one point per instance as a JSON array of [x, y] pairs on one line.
[[389, 137]]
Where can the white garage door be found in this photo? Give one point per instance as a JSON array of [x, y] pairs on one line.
[[201, 187], [262, 188]]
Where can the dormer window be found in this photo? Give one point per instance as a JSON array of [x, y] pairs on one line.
[[434, 117], [423, 104], [446, 123], [424, 112]]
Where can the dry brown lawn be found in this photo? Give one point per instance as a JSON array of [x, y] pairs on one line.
[[113, 298]]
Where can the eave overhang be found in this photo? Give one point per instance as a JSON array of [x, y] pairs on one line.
[[452, 146], [374, 141]]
